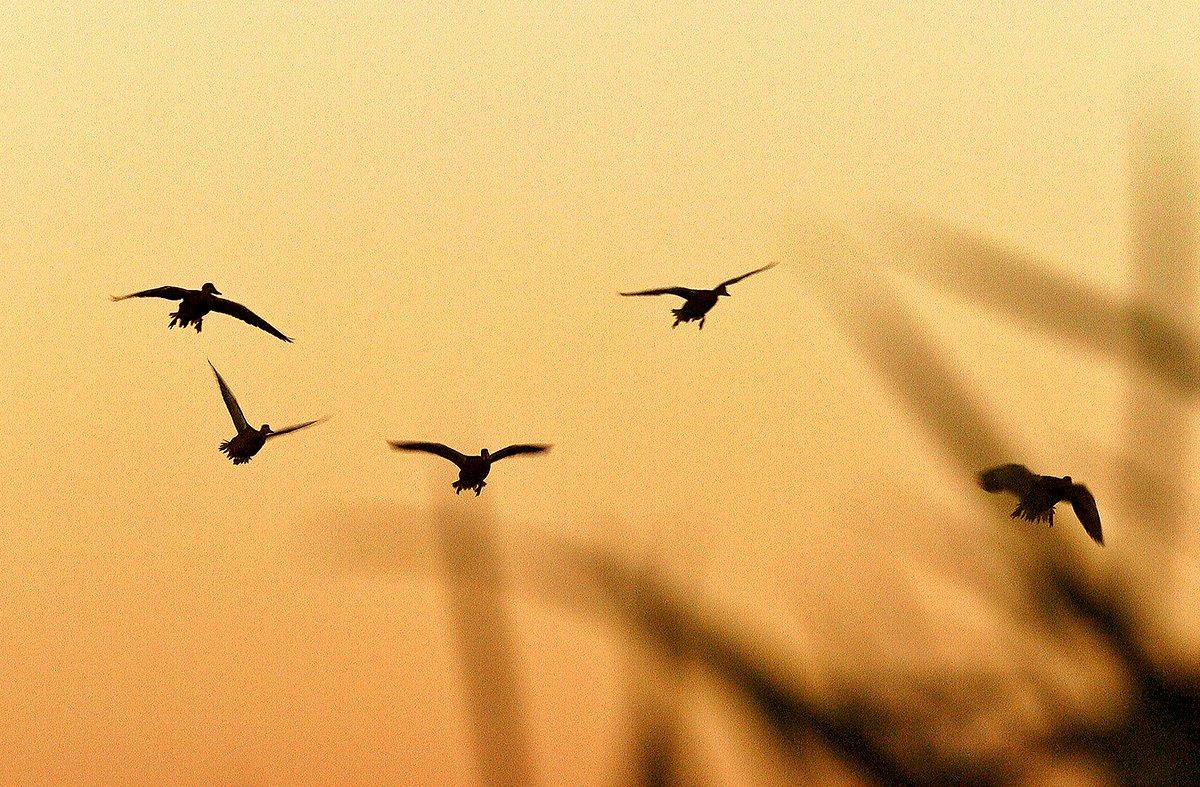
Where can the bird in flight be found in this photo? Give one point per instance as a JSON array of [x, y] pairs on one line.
[[471, 469], [696, 303], [1038, 494], [194, 304], [248, 441]]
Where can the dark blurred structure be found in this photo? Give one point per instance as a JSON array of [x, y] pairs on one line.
[[457, 544], [1157, 740], [1072, 607]]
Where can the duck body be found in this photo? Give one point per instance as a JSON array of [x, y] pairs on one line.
[[193, 306], [472, 472], [242, 447], [1039, 501], [696, 304]]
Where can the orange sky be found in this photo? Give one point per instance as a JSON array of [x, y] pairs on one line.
[[440, 207]]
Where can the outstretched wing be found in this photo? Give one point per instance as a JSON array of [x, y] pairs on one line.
[[237, 310], [513, 450], [1017, 479], [444, 451], [231, 404], [1085, 508], [736, 279], [170, 293], [682, 292], [296, 427]]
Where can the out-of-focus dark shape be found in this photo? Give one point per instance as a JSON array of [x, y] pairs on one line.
[[1163, 213], [656, 690], [1038, 494], [852, 730], [471, 469], [867, 310], [1013, 283], [477, 597], [1152, 324], [697, 303], [457, 546], [194, 304], [1158, 741]]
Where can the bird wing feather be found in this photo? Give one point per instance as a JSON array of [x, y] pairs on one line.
[[296, 427], [514, 450], [231, 403], [438, 449], [682, 292], [736, 279], [1084, 505], [170, 293], [238, 311]]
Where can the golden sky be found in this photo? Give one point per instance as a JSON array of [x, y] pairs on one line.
[[440, 206]]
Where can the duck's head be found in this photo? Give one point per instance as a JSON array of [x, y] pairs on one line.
[[266, 429], [722, 290], [484, 453], [210, 288]]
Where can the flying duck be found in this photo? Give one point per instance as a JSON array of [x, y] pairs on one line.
[[696, 303], [471, 469], [248, 441], [1038, 494], [194, 304]]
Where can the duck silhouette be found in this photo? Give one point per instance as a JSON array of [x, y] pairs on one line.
[[248, 441], [194, 304], [697, 303], [471, 469], [1038, 494]]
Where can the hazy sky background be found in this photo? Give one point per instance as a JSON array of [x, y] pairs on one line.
[[440, 206]]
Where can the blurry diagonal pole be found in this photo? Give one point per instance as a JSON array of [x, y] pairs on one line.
[[456, 545], [1162, 170], [486, 646], [873, 316], [1018, 285], [796, 716]]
